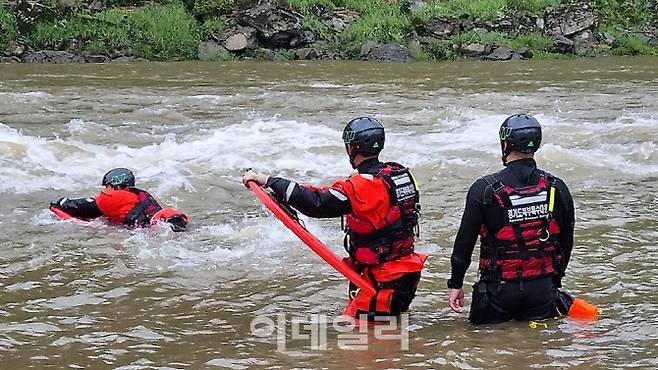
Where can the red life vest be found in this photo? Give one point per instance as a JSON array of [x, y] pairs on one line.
[[130, 206], [525, 247], [385, 210]]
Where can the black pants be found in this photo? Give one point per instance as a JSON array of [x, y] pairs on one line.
[[495, 302]]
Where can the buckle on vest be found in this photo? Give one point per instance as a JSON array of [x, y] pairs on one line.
[[353, 293], [544, 234]]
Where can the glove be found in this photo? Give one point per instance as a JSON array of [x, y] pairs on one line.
[[251, 175], [59, 203]]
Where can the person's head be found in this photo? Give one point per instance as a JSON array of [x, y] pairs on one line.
[[363, 138], [520, 137], [119, 178]]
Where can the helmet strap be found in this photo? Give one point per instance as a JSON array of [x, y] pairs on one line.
[[505, 153], [352, 154]]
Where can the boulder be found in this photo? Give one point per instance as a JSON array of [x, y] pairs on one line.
[[240, 38], [527, 22], [526, 53], [97, 58], [305, 54], [52, 56], [414, 5], [585, 37], [127, 59], [338, 19], [607, 38], [570, 20], [277, 27], [326, 51], [466, 23], [563, 45], [11, 60], [209, 50], [500, 53], [15, 50], [440, 27], [473, 49], [390, 52], [584, 51]]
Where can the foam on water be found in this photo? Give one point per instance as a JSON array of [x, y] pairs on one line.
[[307, 150]]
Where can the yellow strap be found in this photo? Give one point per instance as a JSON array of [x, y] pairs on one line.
[[536, 324], [551, 201]]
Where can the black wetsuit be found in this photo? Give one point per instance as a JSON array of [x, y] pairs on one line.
[[495, 301]]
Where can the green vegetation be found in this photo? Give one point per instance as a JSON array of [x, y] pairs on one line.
[[173, 29], [383, 25], [7, 25], [630, 44], [626, 13], [164, 32], [223, 56], [158, 32], [210, 27], [482, 9], [320, 31], [210, 7]]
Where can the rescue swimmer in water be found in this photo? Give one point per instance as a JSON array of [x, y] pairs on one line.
[[525, 220], [122, 204], [380, 204]]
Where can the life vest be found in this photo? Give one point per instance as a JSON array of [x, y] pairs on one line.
[[130, 206], [383, 224], [526, 246]]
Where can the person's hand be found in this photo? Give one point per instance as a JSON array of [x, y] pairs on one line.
[[252, 175], [456, 300], [59, 203]]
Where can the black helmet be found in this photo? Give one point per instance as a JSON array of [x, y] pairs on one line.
[[521, 132], [364, 135], [119, 178]]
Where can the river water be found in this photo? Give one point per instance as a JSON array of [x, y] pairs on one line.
[[75, 295]]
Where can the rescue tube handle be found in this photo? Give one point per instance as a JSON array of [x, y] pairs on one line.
[[310, 240]]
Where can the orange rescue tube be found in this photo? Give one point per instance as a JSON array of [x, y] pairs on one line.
[[581, 309]]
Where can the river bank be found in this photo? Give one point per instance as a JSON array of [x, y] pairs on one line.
[[99, 31]]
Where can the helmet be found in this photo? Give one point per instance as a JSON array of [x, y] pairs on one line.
[[364, 135], [119, 178], [521, 133]]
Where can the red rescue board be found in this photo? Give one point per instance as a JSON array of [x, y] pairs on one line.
[[309, 239]]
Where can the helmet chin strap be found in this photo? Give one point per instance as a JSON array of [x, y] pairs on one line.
[[505, 153], [352, 155]]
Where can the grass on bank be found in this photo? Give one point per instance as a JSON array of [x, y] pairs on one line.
[[158, 32], [8, 30]]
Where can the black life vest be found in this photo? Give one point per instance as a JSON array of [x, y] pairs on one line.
[[141, 214], [526, 246], [371, 245]]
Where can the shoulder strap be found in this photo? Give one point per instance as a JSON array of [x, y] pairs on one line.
[[493, 185]]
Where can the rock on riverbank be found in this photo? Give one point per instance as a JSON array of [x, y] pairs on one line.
[[79, 31]]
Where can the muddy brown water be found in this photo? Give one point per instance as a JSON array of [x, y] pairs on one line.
[[91, 296]]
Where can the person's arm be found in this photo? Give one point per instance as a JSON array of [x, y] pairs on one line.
[[467, 235], [318, 202], [567, 221], [83, 208]]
